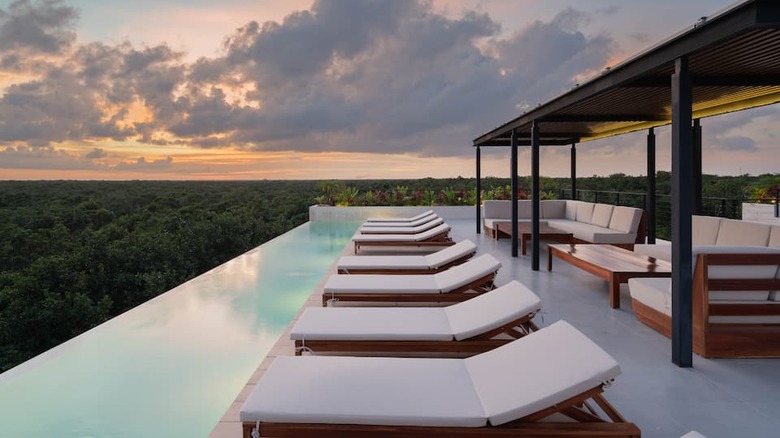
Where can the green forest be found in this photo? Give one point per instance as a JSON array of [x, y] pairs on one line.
[[74, 254]]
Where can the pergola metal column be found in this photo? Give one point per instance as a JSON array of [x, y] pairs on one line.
[[696, 169], [682, 184], [650, 199], [535, 203], [514, 185], [573, 160], [479, 191]]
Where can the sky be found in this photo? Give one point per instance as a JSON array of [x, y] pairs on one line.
[[324, 89]]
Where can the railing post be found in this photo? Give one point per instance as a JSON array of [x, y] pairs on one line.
[[596, 197], [617, 198], [777, 202]]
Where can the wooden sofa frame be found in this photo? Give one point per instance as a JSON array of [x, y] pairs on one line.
[[719, 339]]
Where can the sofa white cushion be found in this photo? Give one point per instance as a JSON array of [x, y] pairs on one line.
[[372, 324], [655, 293], [496, 209], [524, 209], [625, 219], [555, 363], [571, 210], [580, 230], [612, 237], [584, 212], [704, 230], [553, 208], [733, 232], [491, 310], [602, 213], [661, 251], [366, 390], [774, 236]]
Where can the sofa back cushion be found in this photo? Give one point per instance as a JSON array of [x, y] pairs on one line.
[[524, 209], [584, 212], [704, 230], [571, 210], [733, 232], [602, 213], [774, 236], [554, 209], [497, 209], [625, 219]]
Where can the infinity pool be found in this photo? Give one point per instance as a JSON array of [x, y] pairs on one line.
[[172, 366]]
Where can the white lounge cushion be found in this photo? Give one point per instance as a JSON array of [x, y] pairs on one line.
[[553, 208], [400, 238], [602, 213], [733, 232], [372, 324], [704, 230], [625, 219], [365, 390], [459, 321], [571, 210], [401, 219], [557, 363], [491, 310], [416, 223], [584, 212], [409, 262], [537, 371], [440, 282], [693, 434], [450, 254], [401, 229], [463, 274]]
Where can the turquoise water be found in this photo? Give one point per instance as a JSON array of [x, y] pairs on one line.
[[172, 366]]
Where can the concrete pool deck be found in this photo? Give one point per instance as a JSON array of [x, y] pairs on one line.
[[717, 397]]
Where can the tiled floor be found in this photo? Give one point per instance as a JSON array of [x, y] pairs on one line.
[[719, 398]]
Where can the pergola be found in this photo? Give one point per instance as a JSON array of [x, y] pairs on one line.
[[727, 62]]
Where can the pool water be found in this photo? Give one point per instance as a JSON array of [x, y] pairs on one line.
[[172, 366]]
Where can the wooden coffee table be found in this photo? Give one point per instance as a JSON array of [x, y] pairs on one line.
[[546, 232], [616, 265]]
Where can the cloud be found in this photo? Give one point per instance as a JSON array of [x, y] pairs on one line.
[[37, 26], [391, 76], [141, 165]]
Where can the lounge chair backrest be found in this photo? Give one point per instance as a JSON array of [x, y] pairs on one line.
[[450, 254], [491, 310], [430, 233], [464, 274], [537, 371], [401, 219]]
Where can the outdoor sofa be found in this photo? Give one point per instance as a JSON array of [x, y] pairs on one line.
[[588, 222], [549, 383], [466, 328], [736, 289]]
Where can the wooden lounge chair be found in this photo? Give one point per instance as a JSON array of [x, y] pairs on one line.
[[408, 264], [415, 223], [398, 229], [402, 219], [465, 328], [522, 388], [449, 286], [435, 237]]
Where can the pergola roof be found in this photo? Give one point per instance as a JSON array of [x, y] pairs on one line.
[[734, 62]]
